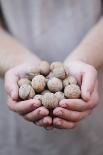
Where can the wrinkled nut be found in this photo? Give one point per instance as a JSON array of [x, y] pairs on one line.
[[38, 97], [69, 80], [59, 95], [44, 68], [26, 92], [45, 91], [50, 75], [54, 84], [72, 91], [33, 72], [55, 64], [23, 81], [49, 101], [59, 73], [38, 83]]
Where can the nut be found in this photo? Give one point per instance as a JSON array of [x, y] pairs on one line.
[[45, 91], [59, 73], [59, 95], [54, 84], [39, 83], [38, 97], [69, 80], [49, 100], [55, 64], [26, 92], [72, 91], [34, 71], [44, 68], [50, 75], [23, 81]]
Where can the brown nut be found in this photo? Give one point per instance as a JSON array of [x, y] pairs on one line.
[[23, 81], [38, 83], [49, 101], [54, 84], [44, 68], [45, 91], [72, 91], [59, 73], [59, 95], [69, 80], [55, 64], [50, 75], [34, 71], [38, 97], [26, 92]]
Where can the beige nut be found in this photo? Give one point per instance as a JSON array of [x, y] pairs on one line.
[[55, 64], [50, 75], [54, 84], [33, 72], [44, 68], [38, 97], [72, 91], [59, 73], [49, 101], [26, 92], [69, 80], [23, 81], [38, 83], [45, 91], [59, 95]]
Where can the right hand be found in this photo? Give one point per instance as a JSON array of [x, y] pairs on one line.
[[31, 110]]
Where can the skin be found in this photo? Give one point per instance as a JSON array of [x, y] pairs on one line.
[[70, 112]]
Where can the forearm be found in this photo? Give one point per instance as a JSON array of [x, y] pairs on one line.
[[90, 50], [12, 53]]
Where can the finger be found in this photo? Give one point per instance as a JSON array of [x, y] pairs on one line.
[[45, 122], [37, 114], [69, 115], [23, 107], [80, 105], [11, 85], [88, 83], [63, 124]]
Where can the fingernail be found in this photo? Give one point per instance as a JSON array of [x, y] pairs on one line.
[[43, 112], [58, 123], [63, 105], [59, 113]]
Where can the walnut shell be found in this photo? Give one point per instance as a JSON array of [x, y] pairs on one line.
[[45, 91], [69, 80], [38, 97], [55, 64], [54, 84], [44, 68], [26, 92], [23, 81], [49, 100], [72, 91], [59, 95], [59, 73], [50, 75], [38, 83], [34, 71]]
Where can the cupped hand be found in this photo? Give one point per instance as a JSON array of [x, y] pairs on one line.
[[31, 110], [71, 111]]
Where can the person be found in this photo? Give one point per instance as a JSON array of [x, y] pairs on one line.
[[52, 29]]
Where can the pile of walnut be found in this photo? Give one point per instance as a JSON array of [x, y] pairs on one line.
[[49, 84]]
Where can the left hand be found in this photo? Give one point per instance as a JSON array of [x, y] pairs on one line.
[[72, 111]]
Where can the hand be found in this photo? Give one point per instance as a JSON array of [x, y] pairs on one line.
[[31, 110], [72, 111]]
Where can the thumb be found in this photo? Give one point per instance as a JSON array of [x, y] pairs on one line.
[[11, 85], [88, 83]]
